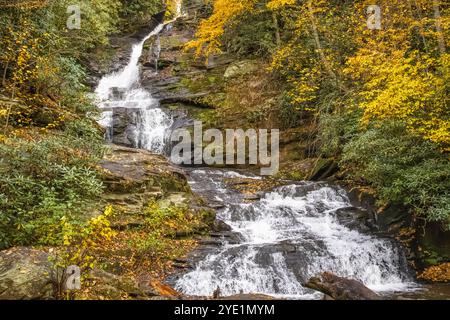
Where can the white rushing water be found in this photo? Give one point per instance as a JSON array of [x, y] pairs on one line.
[[293, 233], [289, 236], [122, 89]]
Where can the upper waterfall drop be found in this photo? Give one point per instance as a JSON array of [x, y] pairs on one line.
[[129, 75], [121, 91]]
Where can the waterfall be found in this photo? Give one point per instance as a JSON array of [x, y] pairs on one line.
[[293, 233], [122, 90]]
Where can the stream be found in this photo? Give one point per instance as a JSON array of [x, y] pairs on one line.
[[290, 234]]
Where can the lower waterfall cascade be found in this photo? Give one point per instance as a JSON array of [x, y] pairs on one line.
[[291, 234]]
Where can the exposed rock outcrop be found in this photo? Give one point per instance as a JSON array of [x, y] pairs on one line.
[[134, 177], [25, 274]]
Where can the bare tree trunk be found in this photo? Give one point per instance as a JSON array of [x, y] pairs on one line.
[[277, 29], [319, 47], [437, 21], [4, 74], [13, 95], [421, 29]]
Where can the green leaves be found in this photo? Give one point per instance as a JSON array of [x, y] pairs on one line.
[[44, 179], [404, 169]]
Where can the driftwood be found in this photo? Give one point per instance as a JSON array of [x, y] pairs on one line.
[[339, 288]]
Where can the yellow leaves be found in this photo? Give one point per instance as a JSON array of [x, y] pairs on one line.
[[80, 240], [399, 82], [208, 37], [24, 4], [278, 4]]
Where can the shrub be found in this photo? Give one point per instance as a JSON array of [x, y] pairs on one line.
[[335, 130], [45, 179], [403, 167]]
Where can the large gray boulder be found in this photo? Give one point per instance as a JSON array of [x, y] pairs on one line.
[[25, 274]]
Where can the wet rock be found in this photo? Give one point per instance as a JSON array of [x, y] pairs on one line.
[[339, 288], [117, 93], [125, 123], [356, 218], [221, 226], [25, 274], [211, 242]]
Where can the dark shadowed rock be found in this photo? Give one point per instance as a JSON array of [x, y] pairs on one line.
[[339, 288]]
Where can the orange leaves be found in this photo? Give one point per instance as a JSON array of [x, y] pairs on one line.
[[163, 289], [440, 273]]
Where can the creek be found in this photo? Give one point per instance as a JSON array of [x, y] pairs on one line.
[[288, 235]]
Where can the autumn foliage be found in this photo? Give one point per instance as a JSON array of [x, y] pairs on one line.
[[380, 96]]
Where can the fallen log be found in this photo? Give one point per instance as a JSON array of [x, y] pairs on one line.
[[339, 288]]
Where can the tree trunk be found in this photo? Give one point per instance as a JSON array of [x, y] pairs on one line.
[[277, 29], [437, 21], [4, 74], [319, 47], [339, 288]]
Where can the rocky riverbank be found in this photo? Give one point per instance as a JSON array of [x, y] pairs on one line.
[[162, 229], [227, 92]]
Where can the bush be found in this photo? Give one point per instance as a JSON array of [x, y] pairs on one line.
[[251, 36], [404, 168], [45, 179], [163, 223], [335, 130]]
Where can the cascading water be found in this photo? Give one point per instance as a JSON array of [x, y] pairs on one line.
[[122, 90], [291, 234]]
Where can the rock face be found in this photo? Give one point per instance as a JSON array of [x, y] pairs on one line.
[[125, 127], [339, 288], [133, 177], [135, 170], [114, 56], [25, 274]]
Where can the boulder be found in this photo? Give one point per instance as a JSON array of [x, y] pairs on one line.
[[25, 274], [339, 288], [125, 122], [240, 68]]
